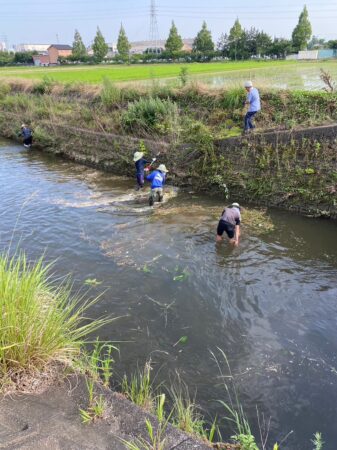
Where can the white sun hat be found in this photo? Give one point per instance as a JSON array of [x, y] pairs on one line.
[[137, 156], [248, 84], [162, 168]]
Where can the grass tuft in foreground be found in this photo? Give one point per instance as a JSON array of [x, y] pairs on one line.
[[40, 324]]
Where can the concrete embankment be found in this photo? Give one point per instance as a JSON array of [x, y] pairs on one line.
[[51, 420]]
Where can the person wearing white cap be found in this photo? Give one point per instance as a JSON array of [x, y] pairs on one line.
[[158, 179], [229, 222], [253, 100], [140, 163], [27, 136]]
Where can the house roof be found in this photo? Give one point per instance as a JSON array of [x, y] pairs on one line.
[[61, 47]]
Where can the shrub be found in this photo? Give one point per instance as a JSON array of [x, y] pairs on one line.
[[233, 99], [45, 86], [110, 94], [150, 115]]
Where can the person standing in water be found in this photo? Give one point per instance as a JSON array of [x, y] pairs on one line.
[[229, 222], [157, 178], [140, 163], [27, 135]]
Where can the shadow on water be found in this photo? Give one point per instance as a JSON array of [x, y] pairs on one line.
[[270, 304]]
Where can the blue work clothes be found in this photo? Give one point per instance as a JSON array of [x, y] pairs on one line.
[[157, 179], [253, 97], [26, 132], [140, 164]]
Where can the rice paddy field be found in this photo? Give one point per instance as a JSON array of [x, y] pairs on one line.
[[273, 74]]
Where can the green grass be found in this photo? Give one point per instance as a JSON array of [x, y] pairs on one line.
[[39, 323], [273, 74], [121, 73]]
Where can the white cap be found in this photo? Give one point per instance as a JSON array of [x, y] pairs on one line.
[[137, 156], [236, 205], [162, 168], [23, 125], [248, 84]]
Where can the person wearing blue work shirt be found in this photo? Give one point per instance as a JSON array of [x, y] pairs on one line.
[[253, 100], [157, 178], [140, 163]]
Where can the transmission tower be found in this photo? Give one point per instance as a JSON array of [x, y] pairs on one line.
[[154, 33]]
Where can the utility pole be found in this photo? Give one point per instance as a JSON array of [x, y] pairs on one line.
[[154, 33]]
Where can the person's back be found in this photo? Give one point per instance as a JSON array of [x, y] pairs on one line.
[[253, 97], [229, 222], [157, 179], [231, 215]]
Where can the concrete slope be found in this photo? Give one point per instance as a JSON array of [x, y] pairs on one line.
[[51, 420]]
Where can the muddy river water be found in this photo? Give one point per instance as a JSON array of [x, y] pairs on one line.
[[270, 304]]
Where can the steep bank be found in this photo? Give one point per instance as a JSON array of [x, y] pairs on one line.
[[292, 166]]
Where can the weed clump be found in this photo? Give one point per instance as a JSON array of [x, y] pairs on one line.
[[40, 324], [150, 115]]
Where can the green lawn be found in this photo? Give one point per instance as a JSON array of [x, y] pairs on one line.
[[271, 74]]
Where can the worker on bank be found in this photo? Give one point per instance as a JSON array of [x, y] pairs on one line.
[[27, 134], [229, 222], [140, 163], [158, 179], [254, 106]]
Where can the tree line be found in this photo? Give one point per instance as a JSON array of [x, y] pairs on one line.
[[238, 44]]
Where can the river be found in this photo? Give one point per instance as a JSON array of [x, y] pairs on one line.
[[270, 304]]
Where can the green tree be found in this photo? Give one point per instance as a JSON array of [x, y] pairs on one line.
[[203, 42], [281, 48], [174, 42], [123, 44], [236, 34], [332, 44], [79, 50], [316, 43], [302, 31], [99, 47]]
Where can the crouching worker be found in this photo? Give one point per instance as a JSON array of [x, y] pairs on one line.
[[157, 178], [230, 223], [140, 163], [27, 134]]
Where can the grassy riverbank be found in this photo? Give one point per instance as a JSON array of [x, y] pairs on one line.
[[191, 127]]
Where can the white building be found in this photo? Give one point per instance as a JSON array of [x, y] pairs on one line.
[[32, 47], [3, 47]]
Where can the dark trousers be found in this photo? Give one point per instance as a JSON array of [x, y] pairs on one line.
[[140, 179], [28, 140], [248, 120]]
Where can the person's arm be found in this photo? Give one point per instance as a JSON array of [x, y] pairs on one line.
[[150, 177], [248, 99]]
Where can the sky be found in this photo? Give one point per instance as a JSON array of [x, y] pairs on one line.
[[54, 21]]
